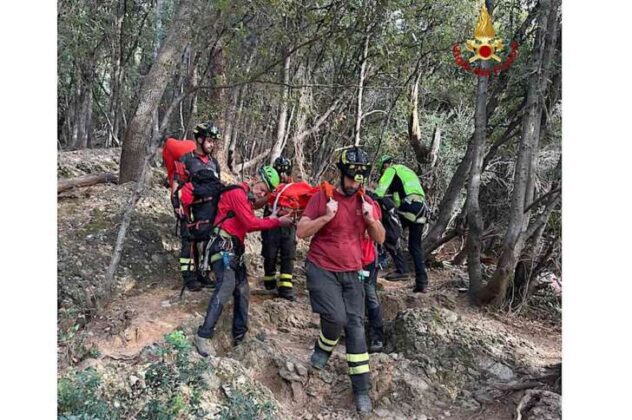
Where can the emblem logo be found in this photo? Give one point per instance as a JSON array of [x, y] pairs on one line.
[[485, 47]]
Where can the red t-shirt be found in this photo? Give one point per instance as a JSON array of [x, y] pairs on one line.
[[173, 150], [368, 246], [337, 246], [244, 220]]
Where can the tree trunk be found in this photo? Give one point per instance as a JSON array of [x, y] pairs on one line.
[[277, 148], [75, 115], [231, 113], [474, 217], [153, 87], [85, 181], [358, 122], [82, 120], [88, 119], [304, 102], [414, 131], [449, 202], [434, 147], [157, 32], [450, 199], [238, 119], [514, 240], [114, 106]]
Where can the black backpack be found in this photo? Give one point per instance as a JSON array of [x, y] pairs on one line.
[[392, 224], [207, 189], [390, 221]]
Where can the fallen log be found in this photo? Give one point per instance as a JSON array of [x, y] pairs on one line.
[[85, 181]]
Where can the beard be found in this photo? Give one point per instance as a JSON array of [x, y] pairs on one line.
[[349, 191]]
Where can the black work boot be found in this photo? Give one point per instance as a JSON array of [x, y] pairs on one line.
[[363, 403], [286, 293], [206, 281], [191, 281], [420, 288], [270, 284], [194, 285], [376, 346], [204, 346], [396, 276], [319, 359]]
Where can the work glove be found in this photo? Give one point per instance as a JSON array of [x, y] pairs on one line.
[[332, 208]]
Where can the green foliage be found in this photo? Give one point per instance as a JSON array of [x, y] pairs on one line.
[[78, 397], [168, 375], [174, 387], [242, 406], [162, 376], [178, 341]]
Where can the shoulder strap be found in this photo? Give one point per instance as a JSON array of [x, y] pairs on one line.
[[328, 189], [278, 196]]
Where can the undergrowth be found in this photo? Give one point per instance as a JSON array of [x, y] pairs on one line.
[[173, 388]]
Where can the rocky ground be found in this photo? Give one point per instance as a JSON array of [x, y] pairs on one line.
[[132, 357]]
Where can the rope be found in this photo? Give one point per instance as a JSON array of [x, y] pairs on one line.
[[276, 200]]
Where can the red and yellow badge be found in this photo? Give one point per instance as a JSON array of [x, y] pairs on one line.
[[485, 46]]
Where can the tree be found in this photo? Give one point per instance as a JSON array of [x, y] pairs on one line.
[[522, 195], [139, 129]]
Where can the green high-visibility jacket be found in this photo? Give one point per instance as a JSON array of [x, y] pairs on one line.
[[401, 181]]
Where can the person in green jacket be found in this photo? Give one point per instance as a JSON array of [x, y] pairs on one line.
[[403, 184]]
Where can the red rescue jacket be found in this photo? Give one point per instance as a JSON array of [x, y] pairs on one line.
[[244, 219]]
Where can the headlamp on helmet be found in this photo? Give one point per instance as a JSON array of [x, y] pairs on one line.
[[354, 164], [206, 130], [283, 165]]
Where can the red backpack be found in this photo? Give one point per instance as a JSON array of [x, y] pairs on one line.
[[292, 198], [173, 150]]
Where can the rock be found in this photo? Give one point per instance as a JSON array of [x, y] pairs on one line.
[[381, 412], [451, 316], [473, 372], [301, 370], [483, 397], [326, 376], [298, 394], [165, 304], [501, 371], [290, 366], [541, 405], [133, 380]]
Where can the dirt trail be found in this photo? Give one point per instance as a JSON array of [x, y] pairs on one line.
[[144, 316]]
